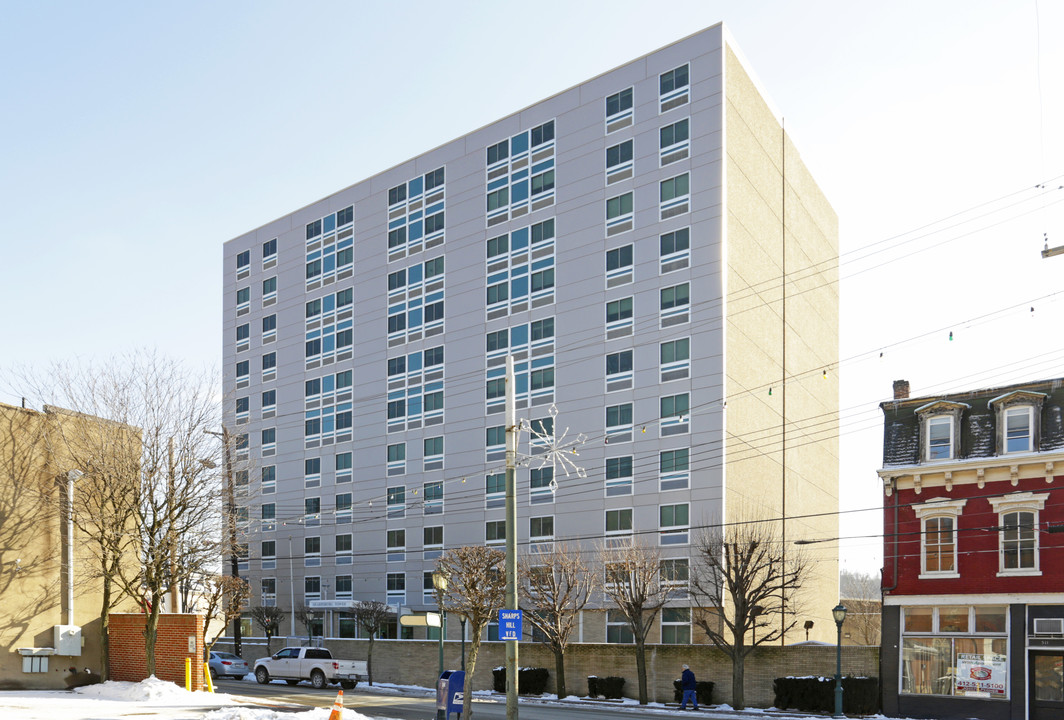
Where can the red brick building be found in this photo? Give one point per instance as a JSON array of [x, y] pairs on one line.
[[973, 577]]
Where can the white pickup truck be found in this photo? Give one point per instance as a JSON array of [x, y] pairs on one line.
[[293, 664]]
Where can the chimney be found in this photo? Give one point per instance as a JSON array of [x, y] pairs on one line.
[[901, 389]]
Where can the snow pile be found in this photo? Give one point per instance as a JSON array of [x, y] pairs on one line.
[[149, 692]]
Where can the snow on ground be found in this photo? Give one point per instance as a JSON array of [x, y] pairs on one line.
[[154, 699], [151, 698]]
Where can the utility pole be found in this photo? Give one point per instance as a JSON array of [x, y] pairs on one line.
[[511, 537], [230, 524]]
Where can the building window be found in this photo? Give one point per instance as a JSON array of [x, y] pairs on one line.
[[312, 472], [397, 459], [311, 552], [619, 163], [343, 508], [675, 305], [494, 532], [541, 485], [676, 572], [541, 534], [619, 214], [397, 502], [617, 628], [940, 438], [675, 196], [619, 422], [938, 537], [243, 260], [243, 333], [269, 249], [396, 588], [675, 250], [268, 514], [955, 650], [619, 476], [343, 549], [433, 457], [619, 110], [618, 527], [674, 142], [396, 545], [674, 469], [619, 321], [673, 88], [675, 359], [269, 479], [433, 494], [495, 490], [433, 541], [676, 626], [1018, 532], [674, 524], [1018, 429]]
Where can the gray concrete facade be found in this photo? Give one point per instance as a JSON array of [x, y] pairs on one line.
[[577, 203]]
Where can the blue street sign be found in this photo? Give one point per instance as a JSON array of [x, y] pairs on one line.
[[510, 624]]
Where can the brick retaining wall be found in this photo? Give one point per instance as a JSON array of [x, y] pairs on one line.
[[413, 662], [128, 659]]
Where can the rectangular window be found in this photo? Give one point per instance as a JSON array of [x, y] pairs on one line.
[[619, 422], [433, 494], [343, 508], [541, 485], [945, 653], [619, 207], [619, 476], [269, 287], [314, 308], [494, 532], [396, 583], [617, 628], [940, 545], [619, 102], [344, 297], [269, 326], [495, 436], [343, 549], [433, 267], [673, 88], [312, 552], [675, 572], [676, 626], [433, 541], [269, 249], [939, 438], [619, 162], [619, 310], [619, 110], [243, 260], [674, 524], [620, 362], [673, 134], [618, 524], [397, 502], [269, 361], [675, 196], [1018, 429], [674, 469], [1019, 544], [269, 479], [433, 456], [675, 242], [243, 332], [618, 259], [675, 406], [542, 329], [396, 545], [495, 490]]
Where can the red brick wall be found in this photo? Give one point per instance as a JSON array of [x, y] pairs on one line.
[[128, 660], [977, 547]]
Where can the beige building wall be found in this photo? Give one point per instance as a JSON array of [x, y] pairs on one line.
[[33, 469], [781, 250]]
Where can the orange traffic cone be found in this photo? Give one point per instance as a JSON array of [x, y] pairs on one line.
[[338, 707]]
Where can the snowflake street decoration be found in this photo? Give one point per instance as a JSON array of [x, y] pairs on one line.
[[558, 450]]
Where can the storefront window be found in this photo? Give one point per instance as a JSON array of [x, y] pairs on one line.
[[942, 655]]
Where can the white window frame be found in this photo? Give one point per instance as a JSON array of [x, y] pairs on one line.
[[932, 510], [1016, 410], [1018, 502], [938, 419]]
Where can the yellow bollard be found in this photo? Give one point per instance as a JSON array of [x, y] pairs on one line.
[[188, 674], [207, 677]]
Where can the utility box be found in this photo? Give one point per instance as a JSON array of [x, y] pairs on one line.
[[68, 640]]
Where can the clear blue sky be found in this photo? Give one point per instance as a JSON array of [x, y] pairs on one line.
[[138, 137]]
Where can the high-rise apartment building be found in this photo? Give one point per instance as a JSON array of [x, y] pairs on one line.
[[656, 257]]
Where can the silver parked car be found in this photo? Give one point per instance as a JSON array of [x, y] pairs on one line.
[[223, 664]]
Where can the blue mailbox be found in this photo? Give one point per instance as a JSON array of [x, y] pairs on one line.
[[449, 692]]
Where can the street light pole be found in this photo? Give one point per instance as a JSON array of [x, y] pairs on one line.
[[439, 581], [511, 537], [839, 613]]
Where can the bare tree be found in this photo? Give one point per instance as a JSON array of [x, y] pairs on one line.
[[635, 585], [554, 589], [476, 589], [741, 583], [269, 618], [370, 615], [151, 480], [862, 597], [223, 596]]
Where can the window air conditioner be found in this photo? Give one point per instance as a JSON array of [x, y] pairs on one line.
[[1049, 626]]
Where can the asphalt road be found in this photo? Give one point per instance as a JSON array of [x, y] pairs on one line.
[[409, 707]]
